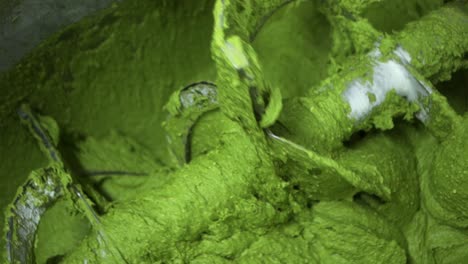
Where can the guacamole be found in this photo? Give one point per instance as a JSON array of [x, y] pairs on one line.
[[240, 132]]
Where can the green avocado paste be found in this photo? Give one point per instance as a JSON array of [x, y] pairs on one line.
[[240, 131]]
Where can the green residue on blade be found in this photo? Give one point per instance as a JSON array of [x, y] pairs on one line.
[[185, 108]]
